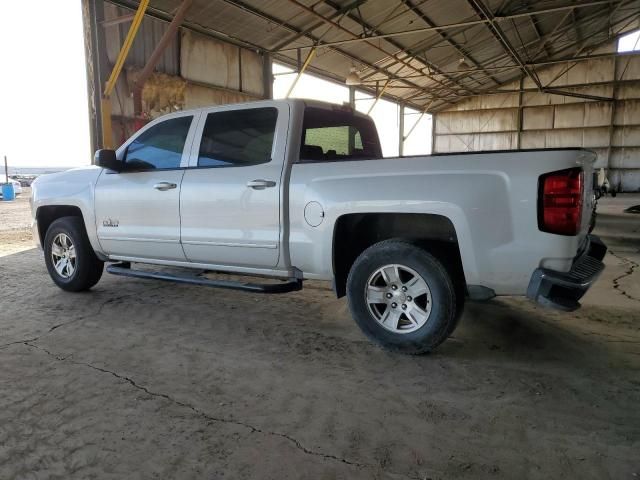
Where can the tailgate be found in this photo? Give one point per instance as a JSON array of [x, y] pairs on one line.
[[587, 159]]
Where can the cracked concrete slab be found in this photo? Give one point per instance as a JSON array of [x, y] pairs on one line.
[[138, 379]]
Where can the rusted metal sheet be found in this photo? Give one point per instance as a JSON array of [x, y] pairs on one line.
[[628, 91], [628, 113], [494, 120], [210, 62], [476, 142], [537, 118], [626, 137], [628, 68], [595, 137], [626, 157], [148, 36], [200, 96]]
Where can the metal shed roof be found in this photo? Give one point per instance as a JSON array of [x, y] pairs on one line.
[[427, 53]]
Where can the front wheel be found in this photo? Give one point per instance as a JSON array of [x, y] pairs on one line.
[[402, 297], [70, 260]]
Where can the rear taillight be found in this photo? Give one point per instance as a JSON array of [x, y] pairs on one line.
[[560, 201]]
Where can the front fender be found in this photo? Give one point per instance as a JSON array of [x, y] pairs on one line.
[[74, 188]]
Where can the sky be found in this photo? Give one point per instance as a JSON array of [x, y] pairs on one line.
[[629, 42], [44, 119]]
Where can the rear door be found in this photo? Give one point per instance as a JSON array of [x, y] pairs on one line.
[[230, 197], [138, 209]]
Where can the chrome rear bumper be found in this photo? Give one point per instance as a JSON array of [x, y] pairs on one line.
[[563, 290]]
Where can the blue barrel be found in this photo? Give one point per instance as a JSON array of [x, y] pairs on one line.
[[8, 193]]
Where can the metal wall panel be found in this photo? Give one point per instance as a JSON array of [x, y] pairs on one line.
[[208, 61], [196, 96], [494, 120], [148, 36], [609, 128]]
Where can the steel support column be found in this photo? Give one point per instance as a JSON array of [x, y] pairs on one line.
[[267, 77], [401, 137], [107, 133], [95, 51]]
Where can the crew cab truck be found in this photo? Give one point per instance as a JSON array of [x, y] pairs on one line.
[[295, 189]]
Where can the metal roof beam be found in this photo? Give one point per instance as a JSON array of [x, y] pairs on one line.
[[343, 10], [483, 12], [224, 37], [416, 11], [556, 33], [581, 58], [243, 6], [400, 47], [453, 25], [413, 8], [373, 45], [349, 32]]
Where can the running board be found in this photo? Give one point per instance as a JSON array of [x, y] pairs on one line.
[[124, 269]]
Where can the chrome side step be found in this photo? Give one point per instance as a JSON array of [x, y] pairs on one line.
[[124, 269]]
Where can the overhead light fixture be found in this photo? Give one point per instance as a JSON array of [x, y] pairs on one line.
[[463, 65], [353, 78]]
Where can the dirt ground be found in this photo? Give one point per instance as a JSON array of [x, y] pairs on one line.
[[15, 224], [138, 379]]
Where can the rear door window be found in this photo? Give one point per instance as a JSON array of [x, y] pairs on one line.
[[238, 137]]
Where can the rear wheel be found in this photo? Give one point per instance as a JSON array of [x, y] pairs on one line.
[[402, 297], [70, 260]]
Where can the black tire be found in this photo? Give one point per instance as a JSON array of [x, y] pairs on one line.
[[441, 320], [87, 268]]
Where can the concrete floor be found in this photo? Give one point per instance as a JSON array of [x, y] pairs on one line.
[[138, 379]]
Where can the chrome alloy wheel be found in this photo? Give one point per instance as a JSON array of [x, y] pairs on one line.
[[398, 298], [63, 255]]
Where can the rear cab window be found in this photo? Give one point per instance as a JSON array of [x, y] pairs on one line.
[[336, 134]]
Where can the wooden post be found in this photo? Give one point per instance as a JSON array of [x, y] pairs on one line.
[[6, 169]]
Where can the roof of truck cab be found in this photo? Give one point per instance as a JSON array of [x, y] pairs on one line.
[[293, 102]]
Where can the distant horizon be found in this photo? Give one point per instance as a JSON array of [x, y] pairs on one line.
[[27, 170]]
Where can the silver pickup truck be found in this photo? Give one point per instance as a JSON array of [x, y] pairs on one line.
[[293, 190]]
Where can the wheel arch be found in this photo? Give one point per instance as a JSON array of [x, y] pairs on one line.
[[355, 232], [47, 214]]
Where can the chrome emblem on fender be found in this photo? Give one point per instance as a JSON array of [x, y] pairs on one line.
[[110, 223]]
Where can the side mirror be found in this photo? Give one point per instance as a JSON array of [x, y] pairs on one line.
[[107, 159]]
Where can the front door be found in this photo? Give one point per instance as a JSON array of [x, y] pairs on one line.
[[138, 209], [230, 197]]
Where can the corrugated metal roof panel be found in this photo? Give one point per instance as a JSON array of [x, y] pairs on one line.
[[428, 59]]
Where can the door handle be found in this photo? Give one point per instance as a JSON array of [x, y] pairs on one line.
[[164, 186], [261, 184]]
